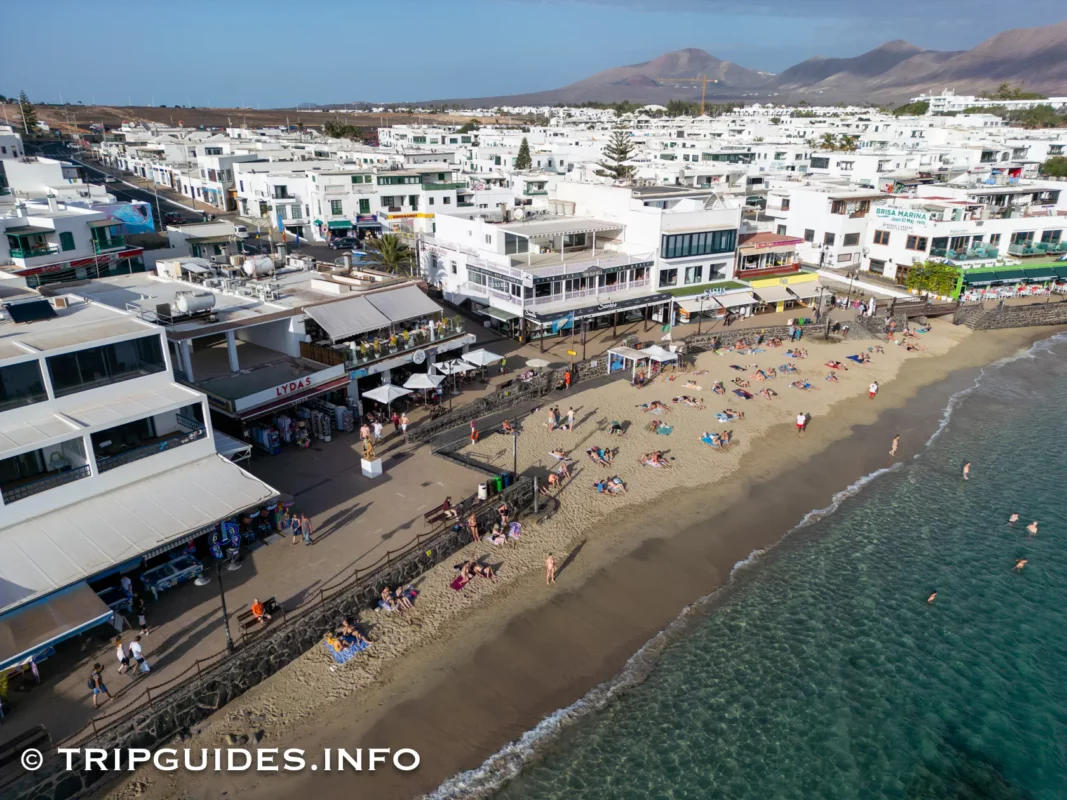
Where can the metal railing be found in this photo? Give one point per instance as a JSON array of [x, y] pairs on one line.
[[113, 243], [14, 493], [32, 252], [170, 443], [581, 294], [369, 350], [441, 187]]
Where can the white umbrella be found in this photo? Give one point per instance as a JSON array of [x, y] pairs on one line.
[[452, 367], [420, 380], [386, 394], [536, 363], [481, 358]]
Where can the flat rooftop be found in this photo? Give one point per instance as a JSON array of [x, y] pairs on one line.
[[79, 323], [544, 227], [651, 192]]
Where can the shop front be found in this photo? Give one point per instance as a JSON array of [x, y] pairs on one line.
[[608, 313], [764, 254], [785, 292]]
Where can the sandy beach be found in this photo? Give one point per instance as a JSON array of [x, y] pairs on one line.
[[464, 672]]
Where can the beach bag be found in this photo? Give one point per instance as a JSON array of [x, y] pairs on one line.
[[142, 665]]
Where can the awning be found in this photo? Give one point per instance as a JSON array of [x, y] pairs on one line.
[[403, 304], [628, 353], [1061, 272], [805, 291], [498, 313], [368, 224], [773, 294], [736, 300], [976, 278], [233, 449], [339, 224], [657, 353], [1040, 273], [55, 550], [104, 223], [27, 230], [349, 317], [29, 630], [752, 250], [296, 397]]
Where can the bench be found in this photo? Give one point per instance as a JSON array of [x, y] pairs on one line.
[[246, 620], [435, 515], [36, 737]]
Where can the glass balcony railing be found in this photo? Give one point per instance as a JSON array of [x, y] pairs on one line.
[[112, 243], [32, 251], [532, 192], [372, 349], [972, 254], [441, 187], [21, 491], [169, 442]]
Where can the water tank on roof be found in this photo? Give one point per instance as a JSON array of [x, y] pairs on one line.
[[257, 266], [194, 302]]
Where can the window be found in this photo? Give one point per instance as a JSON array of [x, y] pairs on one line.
[[916, 243], [820, 162], [781, 230], [994, 239], [785, 204], [668, 277], [1051, 237], [515, 244], [66, 241], [828, 239], [21, 385], [364, 206], [693, 274], [281, 192], [852, 239], [574, 240], [454, 270], [877, 267], [447, 200], [809, 235], [838, 207], [1022, 237], [413, 201], [98, 366], [431, 200], [488, 238], [335, 208], [698, 244], [881, 237], [241, 185]]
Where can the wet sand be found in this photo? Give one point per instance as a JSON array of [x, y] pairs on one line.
[[500, 658]]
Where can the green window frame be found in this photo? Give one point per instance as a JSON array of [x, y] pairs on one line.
[[66, 241], [336, 209], [364, 206]]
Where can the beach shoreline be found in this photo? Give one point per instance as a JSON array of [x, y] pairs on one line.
[[502, 666]]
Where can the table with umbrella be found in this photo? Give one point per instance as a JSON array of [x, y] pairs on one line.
[[424, 382], [453, 368]]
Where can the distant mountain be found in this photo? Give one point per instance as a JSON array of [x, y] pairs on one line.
[[1036, 58]]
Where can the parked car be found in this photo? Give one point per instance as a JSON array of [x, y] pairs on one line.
[[109, 179], [173, 218], [344, 243]]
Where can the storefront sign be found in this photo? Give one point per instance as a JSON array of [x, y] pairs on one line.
[[900, 219], [601, 308], [293, 386], [366, 218]]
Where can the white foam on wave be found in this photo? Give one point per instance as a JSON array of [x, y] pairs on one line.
[[508, 762], [1036, 349]]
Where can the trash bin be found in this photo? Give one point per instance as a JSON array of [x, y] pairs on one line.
[[507, 479], [498, 484], [483, 491]]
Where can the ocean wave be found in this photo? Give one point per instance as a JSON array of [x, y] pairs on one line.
[[1033, 351], [508, 762]]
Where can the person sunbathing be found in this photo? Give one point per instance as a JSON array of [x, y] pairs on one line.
[[656, 404], [804, 386], [727, 438], [693, 402], [742, 383], [605, 455], [692, 385], [768, 394], [616, 428], [915, 348], [351, 632], [774, 342], [554, 482], [559, 454], [772, 373], [729, 412], [601, 487], [595, 456], [653, 426], [401, 598], [507, 427], [760, 375], [832, 377], [388, 603], [659, 460], [836, 365], [712, 439], [563, 470], [718, 388]]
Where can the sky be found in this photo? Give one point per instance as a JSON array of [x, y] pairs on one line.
[[271, 54]]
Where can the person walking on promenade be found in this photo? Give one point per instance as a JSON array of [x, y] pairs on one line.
[[404, 422], [96, 683], [305, 526]]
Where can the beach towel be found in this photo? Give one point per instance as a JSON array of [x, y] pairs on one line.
[[806, 385], [757, 350], [664, 430], [515, 530], [458, 583], [857, 359], [345, 655], [709, 441], [722, 417], [743, 393]]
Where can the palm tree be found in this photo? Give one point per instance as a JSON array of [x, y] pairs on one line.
[[828, 142], [389, 254]]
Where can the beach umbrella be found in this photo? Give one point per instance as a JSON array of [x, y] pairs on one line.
[[420, 380], [536, 363], [386, 393], [481, 358], [452, 367]]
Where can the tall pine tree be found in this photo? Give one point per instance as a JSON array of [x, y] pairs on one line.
[[29, 113], [616, 153], [523, 159]]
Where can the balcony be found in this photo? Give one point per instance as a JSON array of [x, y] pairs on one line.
[[22, 491], [442, 187], [530, 192], [103, 244], [1037, 248], [972, 254], [465, 205], [373, 348], [169, 442], [584, 294], [32, 251]]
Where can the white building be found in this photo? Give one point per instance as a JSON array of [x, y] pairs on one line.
[[105, 463], [950, 102]]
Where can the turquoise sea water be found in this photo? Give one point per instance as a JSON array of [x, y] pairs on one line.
[[822, 672]]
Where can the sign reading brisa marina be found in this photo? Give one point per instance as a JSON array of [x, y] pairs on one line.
[[903, 219]]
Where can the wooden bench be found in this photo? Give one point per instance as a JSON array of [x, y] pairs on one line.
[[36, 737], [434, 515], [247, 621]]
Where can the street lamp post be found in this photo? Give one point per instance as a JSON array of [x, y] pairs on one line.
[[225, 613]]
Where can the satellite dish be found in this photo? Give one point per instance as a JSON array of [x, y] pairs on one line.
[[519, 213]]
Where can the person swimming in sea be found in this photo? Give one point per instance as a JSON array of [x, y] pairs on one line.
[[1013, 519], [1019, 564], [1032, 527], [967, 470], [932, 597], [893, 449]]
